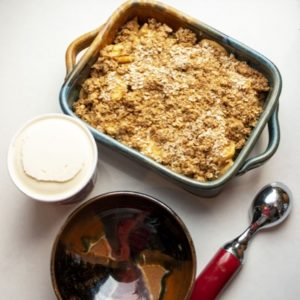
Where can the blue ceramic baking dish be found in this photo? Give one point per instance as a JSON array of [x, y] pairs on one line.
[[104, 35]]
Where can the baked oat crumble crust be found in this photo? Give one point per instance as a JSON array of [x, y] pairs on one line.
[[185, 103]]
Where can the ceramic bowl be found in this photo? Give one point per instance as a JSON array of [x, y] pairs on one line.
[[123, 245]]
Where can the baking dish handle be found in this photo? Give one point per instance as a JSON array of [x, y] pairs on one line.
[[78, 45], [274, 138]]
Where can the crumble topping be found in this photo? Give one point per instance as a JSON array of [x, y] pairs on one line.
[[185, 103]]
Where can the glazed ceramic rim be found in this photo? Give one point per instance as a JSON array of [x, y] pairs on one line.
[[68, 195], [143, 197]]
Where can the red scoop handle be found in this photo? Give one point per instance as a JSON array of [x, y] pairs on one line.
[[214, 277]]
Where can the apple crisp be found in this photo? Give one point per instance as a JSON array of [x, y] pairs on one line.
[[184, 102]]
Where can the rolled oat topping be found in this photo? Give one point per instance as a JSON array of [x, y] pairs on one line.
[[185, 103]]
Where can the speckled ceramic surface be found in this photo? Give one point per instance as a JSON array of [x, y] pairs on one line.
[[76, 73]]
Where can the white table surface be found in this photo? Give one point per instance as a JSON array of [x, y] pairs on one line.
[[34, 36]]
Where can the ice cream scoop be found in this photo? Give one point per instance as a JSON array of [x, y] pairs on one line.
[[270, 207]]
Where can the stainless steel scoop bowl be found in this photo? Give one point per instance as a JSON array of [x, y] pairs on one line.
[[271, 206]]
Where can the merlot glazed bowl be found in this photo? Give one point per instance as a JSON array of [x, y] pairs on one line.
[[105, 34], [123, 245]]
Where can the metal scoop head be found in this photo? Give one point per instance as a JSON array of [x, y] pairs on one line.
[[271, 205]]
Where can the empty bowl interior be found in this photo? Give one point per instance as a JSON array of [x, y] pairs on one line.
[[123, 246]]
